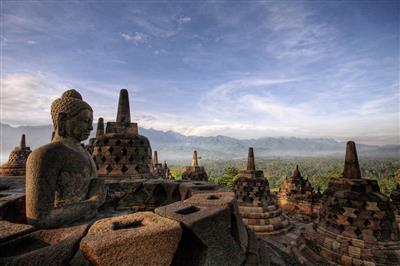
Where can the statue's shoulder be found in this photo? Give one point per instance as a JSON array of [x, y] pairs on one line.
[[51, 151]]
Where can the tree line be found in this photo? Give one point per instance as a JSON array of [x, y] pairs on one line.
[[318, 171]]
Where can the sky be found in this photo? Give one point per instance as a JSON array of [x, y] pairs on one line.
[[245, 69]]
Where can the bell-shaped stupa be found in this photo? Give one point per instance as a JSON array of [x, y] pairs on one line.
[[195, 172], [258, 208], [119, 151], [356, 226], [158, 169], [297, 197], [15, 166]]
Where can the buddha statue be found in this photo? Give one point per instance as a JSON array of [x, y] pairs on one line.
[[61, 177]]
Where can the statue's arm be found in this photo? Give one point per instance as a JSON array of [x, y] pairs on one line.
[[97, 192], [41, 178], [41, 184]]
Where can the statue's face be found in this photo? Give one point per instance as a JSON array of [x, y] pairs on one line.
[[79, 126]]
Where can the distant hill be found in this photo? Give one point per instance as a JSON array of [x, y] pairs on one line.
[[173, 146]]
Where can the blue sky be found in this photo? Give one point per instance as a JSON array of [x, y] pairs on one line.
[[244, 69]]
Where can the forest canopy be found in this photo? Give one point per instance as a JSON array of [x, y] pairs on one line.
[[318, 170]]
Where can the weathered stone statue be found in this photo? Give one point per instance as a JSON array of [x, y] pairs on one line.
[[61, 178]]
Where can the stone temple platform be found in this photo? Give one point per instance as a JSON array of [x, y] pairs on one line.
[[356, 226], [297, 198], [258, 207], [200, 226]]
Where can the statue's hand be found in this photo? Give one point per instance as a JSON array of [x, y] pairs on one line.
[[91, 212], [97, 192]]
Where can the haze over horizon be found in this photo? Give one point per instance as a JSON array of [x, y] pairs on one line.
[[239, 69]]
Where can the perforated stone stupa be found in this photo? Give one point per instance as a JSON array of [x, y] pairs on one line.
[[159, 169], [356, 225], [297, 197], [121, 152], [195, 172], [15, 166], [167, 171], [258, 208]]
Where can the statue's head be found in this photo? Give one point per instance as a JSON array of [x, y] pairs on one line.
[[72, 117]]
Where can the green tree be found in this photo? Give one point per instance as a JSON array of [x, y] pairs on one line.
[[229, 176], [397, 175], [176, 172]]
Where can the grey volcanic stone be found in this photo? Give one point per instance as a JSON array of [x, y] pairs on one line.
[[189, 188], [61, 177], [207, 235], [43, 247], [142, 238], [11, 230]]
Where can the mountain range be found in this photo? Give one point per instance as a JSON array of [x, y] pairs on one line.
[[173, 146]]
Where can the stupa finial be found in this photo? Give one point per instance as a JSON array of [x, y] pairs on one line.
[[22, 144], [155, 158], [296, 172], [250, 160], [124, 114], [195, 162], [100, 127], [351, 165]]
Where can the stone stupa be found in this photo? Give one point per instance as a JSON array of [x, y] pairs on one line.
[[195, 172], [157, 168], [258, 208], [119, 151], [15, 166], [167, 171], [356, 225], [297, 197]]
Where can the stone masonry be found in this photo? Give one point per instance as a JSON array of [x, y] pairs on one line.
[[121, 152], [195, 172], [297, 197], [158, 169], [17, 160], [356, 224], [258, 208]]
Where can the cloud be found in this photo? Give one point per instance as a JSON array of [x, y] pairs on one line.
[[296, 34], [159, 51], [258, 107], [379, 105], [184, 20], [136, 38], [3, 40], [26, 99], [165, 24], [145, 118], [30, 42], [241, 98]]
